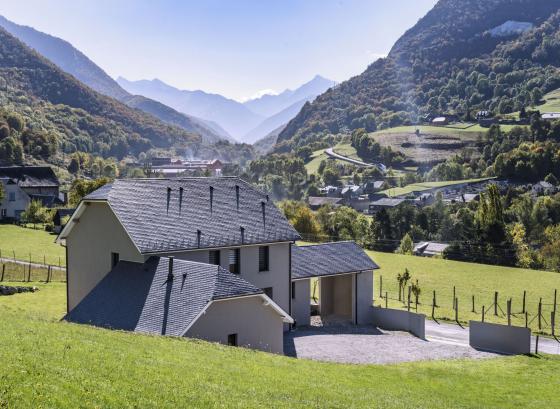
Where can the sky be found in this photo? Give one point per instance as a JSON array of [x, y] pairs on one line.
[[237, 48]]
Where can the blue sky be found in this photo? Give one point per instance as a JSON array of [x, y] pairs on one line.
[[235, 48]]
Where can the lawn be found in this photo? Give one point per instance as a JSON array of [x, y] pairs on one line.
[[469, 279], [423, 186], [552, 102], [25, 241], [56, 364]]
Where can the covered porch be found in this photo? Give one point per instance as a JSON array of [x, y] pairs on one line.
[[342, 276]]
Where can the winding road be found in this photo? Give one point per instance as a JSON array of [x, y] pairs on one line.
[[332, 154]]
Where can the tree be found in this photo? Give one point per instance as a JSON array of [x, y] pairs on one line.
[[407, 245], [550, 252], [81, 188], [416, 291], [523, 252], [35, 213]]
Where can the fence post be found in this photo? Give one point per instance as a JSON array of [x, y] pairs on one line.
[[381, 286], [526, 319], [408, 301], [524, 294], [537, 345], [3, 271], [454, 297], [48, 274], [457, 310], [509, 311], [59, 265], [483, 311], [540, 312], [496, 303], [552, 322], [473, 310], [386, 300], [29, 273], [554, 307]]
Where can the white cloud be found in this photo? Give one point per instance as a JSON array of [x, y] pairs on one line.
[[259, 94]]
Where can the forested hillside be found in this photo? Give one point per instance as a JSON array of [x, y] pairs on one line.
[[457, 59], [55, 106]]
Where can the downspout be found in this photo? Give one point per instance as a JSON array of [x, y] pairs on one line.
[[290, 280], [67, 281], [356, 298]]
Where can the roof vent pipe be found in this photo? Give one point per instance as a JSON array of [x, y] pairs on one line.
[[170, 273], [237, 195], [211, 198], [168, 198], [180, 198], [263, 206], [198, 236]]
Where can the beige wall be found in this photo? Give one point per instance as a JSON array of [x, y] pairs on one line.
[[277, 277], [90, 244], [337, 296], [256, 325], [301, 308]]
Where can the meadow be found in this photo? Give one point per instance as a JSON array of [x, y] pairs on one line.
[[28, 242]]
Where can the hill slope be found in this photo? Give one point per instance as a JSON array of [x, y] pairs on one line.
[[449, 62], [74, 62], [54, 103]]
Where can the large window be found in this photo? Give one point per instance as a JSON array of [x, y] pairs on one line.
[[234, 261], [263, 258], [214, 257]]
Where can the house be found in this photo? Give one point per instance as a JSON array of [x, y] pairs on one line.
[[178, 167], [331, 191], [385, 203], [209, 258], [374, 186], [440, 121], [550, 116], [351, 191], [543, 188], [315, 202], [59, 218], [425, 199], [430, 249], [23, 184]]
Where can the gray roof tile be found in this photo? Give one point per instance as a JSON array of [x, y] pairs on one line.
[[139, 297], [329, 259], [158, 224]]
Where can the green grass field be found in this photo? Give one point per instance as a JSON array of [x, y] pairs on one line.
[[56, 364], [421, 187], [552, 102], [24, 241], [469, 279]]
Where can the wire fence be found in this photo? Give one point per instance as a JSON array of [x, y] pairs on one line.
[[7, 255], [538, 314], [29, 272]]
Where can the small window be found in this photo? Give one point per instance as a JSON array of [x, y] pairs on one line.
[[214, 257], [234, 261], [114, 259], [4, 212], [293, 290], [12, 196], [232, 340], [263, 258], [269, 293]]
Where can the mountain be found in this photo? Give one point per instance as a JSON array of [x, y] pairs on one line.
[[233, 116], [449, 62], [273, 122], [269, 105], [75, 63], [48, 111], [266, 143]]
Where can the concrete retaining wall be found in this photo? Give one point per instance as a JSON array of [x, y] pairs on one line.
[[399, 320], [505, 339]]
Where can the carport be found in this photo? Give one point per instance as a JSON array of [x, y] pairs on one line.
[[345, 279]]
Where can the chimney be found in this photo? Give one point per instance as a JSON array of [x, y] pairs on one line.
[[168, 198], [263, 206], [211, 198], [170, 273], [180, 198], [237, 195]]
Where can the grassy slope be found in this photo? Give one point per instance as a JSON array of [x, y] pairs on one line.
[[420, 187], [552, 102], [54, 364], [24, 241], [470, 279]]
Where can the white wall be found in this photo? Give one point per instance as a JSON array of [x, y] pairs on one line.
[[90, 244], [13, 208], [364, 296], [301, 308], [256, 325]]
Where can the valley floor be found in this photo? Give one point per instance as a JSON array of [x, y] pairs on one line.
[[48, 363]]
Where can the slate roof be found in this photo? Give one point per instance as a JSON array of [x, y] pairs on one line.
[[322, 200], [329, 259], [30, 176], [159, 220], [430, 248], [139, 297], [388, 202]]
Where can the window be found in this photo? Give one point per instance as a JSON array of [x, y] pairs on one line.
[[214, 257], [293, 290], [234, 261], [232, 340], [12, 197], [114, 259], [263, 258], [268, 292]]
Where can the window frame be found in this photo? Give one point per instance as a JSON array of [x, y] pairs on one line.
[[264, 259], [217, 255], [237, 265]]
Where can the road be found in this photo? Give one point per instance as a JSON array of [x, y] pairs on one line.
[[331, 153], [453, 334]]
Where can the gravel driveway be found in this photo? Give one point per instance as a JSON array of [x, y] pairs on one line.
[[369, 345]]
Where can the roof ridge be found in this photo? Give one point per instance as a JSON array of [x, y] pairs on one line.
[[330, 242]]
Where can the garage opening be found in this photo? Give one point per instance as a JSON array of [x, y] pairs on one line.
[[336, 300]]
